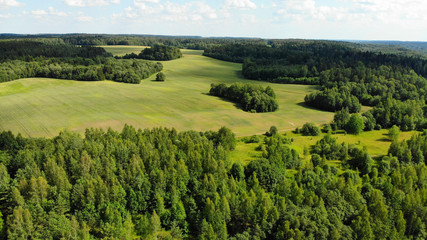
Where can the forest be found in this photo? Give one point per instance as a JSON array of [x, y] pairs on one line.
[[157, 52], [26, 59], [393, 84], [251, 98], [164, 184]]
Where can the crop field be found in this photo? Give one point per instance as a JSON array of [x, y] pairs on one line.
[[42, 107]]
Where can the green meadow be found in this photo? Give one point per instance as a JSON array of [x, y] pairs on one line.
[[42, 107], [377, 142]]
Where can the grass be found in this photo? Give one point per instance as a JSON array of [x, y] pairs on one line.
[[377, 143], [120, 50], [40, 107]]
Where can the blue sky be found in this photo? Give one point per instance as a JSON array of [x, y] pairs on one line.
[[313, 19]]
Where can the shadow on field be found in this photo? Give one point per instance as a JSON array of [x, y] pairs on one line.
[[384, 139], [239, 74], [236, 105], [304, 105]]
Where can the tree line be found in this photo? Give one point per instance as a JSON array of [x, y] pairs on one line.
[[24, 59], [251, 98], [161, 183]]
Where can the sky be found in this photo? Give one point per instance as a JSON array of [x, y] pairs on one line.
[[310, 19]]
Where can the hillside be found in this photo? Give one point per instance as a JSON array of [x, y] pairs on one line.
[[43, 107]]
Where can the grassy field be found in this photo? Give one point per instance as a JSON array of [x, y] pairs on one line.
[[377, 143], [120, 50], [43, 107]]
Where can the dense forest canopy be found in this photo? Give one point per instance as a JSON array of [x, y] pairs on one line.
[[23, 49], [24, 59], [165, 184]]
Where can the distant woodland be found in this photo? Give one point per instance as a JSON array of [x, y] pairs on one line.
[[24, 59], [394, 85]]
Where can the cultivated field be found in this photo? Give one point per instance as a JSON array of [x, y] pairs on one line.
[[43, 107]]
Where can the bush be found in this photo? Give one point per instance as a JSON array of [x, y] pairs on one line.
[[161, 77], [309, 129]]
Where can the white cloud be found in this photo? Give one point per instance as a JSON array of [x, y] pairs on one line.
[[169, 11], [384, 11], [242, 4], [39, 13], [248, 19], [206, 10], [50, 12], [84, 18], [57, 13], [5, 16], [149, 1], [10, 3], [85, 3]]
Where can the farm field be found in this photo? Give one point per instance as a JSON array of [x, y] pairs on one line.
[[43, 107]]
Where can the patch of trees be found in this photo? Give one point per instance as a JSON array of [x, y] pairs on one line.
[[23, 49], [251, 98], [23, 59], [127, 71], [161, 183], [157, 52], [333, 100], [310, 129]]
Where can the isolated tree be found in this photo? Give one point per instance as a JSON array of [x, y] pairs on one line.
[[161, 77]]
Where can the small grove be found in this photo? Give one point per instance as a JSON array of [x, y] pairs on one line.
[[157, 52], [251, 98], [162, 184]]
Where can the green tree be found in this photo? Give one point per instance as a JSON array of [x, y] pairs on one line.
[[394, 133], [309, 129], [355, 124], [20, 224], [161, 77]]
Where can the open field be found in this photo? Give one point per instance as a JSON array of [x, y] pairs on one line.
[[43, 107], [120, 50], [377, 143]]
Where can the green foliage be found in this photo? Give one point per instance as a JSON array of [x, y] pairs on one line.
[[309, 129], [355, 124], [333, 100], [251, 98], [14, 49], [70, 62], [394, 133], [158, 53], [161, 77], [161, 183]]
